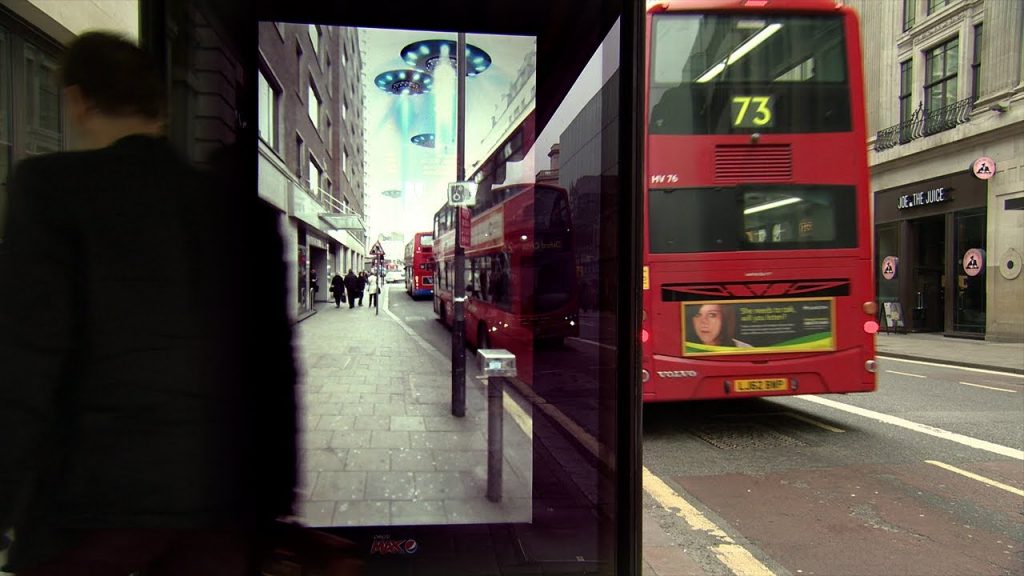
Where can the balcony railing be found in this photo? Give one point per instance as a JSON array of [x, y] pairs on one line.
[[337, 214], [923, 124]]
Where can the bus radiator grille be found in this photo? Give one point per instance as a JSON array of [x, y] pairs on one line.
[[763, 163]]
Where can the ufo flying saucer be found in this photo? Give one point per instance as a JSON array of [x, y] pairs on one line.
[[426, 54], [404, 81], [425, 140]]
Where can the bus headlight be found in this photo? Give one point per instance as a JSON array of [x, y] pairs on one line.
[[871, 366], [645, 375]]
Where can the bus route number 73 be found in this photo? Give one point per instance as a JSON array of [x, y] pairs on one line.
[[752, 111]]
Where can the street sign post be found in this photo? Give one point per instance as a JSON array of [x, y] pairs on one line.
[[464, 194]]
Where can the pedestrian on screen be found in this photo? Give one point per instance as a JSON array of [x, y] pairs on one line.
[[129, 442], [373, 287], [352, 287], [361, 286], [338, 290]]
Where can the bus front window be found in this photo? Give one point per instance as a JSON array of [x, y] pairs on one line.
[[729, 74]]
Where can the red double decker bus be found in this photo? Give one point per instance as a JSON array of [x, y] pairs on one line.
[[520, 274], [758, 276], [419, 265]]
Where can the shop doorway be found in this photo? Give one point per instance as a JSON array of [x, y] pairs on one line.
[[928, 281]]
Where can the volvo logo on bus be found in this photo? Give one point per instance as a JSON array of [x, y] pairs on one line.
[[678, 373]]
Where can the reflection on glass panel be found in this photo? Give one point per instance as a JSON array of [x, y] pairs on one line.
[[5, 124], [381, 447], [42, 99], [969, 313]]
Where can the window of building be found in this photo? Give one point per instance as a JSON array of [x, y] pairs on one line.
[[298, 66], [344, 108], [315, 175], [906, 103], [936, 5], [330, 79], [940, 87], [344, 161], [314, 37], [976, 65], [267, 110], [313, 106], [328, 134], [300, 151], [42, 99], [909, 14]]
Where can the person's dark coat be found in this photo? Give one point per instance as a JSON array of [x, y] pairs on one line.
[[351, 284], [337, 284], [121, 352], [361, 284]]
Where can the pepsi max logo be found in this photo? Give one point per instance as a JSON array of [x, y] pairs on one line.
[[384, 546]]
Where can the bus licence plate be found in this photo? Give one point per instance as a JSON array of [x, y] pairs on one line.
[[763, 385]]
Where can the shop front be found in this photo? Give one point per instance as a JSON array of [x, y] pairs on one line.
[[930, 255]]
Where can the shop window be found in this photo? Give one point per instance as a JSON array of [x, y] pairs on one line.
[[887, 244], [970, 294]]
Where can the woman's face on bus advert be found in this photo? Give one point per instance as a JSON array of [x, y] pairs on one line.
[[707, 323]]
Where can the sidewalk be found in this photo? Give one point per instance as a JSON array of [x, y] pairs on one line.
[[378, 443], [926, 347]]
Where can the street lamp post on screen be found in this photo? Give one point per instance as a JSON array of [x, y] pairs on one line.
[[459, 297]]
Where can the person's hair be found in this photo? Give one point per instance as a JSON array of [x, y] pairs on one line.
[[116, 76], [728, 332]]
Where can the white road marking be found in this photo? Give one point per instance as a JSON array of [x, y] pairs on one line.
[[922, 428], [737, 558], [989, 387], [977, 477], [905, 374], [813, 422], [978, 370]]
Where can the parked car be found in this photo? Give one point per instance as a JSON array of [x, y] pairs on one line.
[[394, 276]]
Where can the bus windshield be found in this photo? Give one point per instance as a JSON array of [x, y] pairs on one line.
[[739, 74], [754, 217]]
